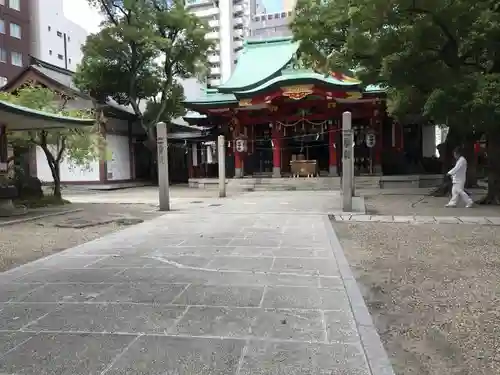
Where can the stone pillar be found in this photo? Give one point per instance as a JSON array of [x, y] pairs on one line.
[[332, 150], [276, 138]]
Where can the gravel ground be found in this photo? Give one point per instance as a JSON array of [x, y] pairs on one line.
[[423, 205], [24, 242], [433, 291]]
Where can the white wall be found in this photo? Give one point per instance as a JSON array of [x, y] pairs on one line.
[[119, 157], [55, 39], [429, 141], [69, 171]]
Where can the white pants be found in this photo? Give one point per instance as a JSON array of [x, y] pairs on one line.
[[457, 192]]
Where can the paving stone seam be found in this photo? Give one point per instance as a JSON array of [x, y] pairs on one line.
[[177, 320], [180, 293], [179, 256], [2, 355], [374, 352], [183, 336], [119, 355], [169, 305], [35, 321], [241, 360], [160, 283]]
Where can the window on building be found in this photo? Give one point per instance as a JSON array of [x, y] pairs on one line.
[[3, 81], [49, 28], [15, 4], [59, 34], [283, 15], [289, 14], [257, 18], [2, 27], [16, 58], [269, 16], [60, 57], [276, 15], [69, 39], [50, 52], [69, 60], [3, 55], [15, 30]]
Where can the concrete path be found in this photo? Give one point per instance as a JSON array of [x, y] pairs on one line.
[[225, 290]]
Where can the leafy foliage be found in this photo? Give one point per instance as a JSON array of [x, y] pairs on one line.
[[143, 47], [441, 59], [81, 145]]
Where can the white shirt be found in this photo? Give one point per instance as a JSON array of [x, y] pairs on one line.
[[459, 171]]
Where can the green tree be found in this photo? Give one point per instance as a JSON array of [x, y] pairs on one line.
[[81, 145], [143, 47], [438, 58]]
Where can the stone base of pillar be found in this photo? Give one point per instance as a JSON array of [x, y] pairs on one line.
[[332, 171], [276, 171], [238, 173]]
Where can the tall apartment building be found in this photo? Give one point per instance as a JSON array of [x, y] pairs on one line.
[[267, 25], [229, 22], [56, 39], [14, 37], [289, 5]]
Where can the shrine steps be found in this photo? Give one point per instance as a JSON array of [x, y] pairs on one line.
[[317, 183]]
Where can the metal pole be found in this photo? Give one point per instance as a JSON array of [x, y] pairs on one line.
[[162, 148], [221, 149], [347, 162]]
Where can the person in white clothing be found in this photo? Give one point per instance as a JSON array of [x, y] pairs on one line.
[[458, 174]]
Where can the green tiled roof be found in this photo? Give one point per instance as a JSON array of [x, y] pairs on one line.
[[259, 60], [267, 63], [300, 77], [213, 96], [21, 118]]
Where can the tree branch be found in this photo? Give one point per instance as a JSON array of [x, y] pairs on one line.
[[109, 12], [62, 148]]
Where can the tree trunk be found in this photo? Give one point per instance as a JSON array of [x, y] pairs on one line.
[[446, 156], [56, 176], [493, 147], [469, 155]]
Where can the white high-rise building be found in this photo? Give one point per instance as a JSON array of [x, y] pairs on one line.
[[55, 39], [229, 22]]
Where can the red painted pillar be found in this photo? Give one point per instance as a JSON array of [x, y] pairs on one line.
[[276, 138], [332, 150]]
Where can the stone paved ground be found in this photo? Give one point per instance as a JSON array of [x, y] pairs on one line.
[[225, 289]]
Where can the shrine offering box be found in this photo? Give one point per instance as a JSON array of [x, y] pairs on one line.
[[304, 168]]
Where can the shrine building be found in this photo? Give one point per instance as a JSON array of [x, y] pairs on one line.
[[283, 120]]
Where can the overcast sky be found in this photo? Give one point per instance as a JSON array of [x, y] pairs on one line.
[[80, 12]]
